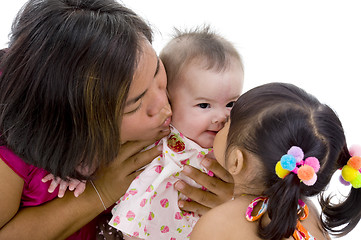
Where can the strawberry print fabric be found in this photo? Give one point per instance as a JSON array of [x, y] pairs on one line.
[[149, 209]]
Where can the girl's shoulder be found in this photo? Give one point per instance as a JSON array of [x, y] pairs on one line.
[[227, 221]]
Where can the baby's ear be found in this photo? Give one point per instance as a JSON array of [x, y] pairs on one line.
[[235, 161]]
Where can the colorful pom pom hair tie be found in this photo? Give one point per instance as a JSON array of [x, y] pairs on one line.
[[293, 162], [351, 172]]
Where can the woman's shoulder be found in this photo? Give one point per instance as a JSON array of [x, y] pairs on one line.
[[226, 221], [19, 166]]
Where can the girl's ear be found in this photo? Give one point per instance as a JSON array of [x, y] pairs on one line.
[[235, 161]]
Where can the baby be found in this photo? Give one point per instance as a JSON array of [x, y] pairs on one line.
[[205, 78]]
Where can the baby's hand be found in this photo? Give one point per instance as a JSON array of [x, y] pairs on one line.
[[73, 184]]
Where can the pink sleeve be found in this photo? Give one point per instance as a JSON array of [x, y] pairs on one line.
[[14, 162]]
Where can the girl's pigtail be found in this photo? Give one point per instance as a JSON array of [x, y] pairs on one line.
[[340, 218], [282, 208]]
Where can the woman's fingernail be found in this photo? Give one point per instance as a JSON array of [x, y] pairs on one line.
[[160, 147], [179, 185], [187, 169], [206, 162], [180, 204]]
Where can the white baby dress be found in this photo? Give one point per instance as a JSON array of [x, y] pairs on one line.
[[149, 208]]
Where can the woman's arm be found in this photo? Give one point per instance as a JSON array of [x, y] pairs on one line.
[[220, 187], [61, 217]]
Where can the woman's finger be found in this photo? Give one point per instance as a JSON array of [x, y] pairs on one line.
[[193, 207], [212, 183], [207, 199], [139, 160], [213, 166]]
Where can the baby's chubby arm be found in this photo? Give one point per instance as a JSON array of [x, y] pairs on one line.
[[74, 185]]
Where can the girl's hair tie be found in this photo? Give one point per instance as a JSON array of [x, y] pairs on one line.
[[351, 173], [306, 171]]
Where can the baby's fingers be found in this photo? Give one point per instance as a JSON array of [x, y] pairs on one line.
[[62, 188], [54, 183], [79, 189], [73, 183], [47, 178]]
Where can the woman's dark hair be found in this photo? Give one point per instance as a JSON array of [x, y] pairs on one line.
[[267, 121], [65, 78]]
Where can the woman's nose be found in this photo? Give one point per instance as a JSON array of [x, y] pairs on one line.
[[158, 103]]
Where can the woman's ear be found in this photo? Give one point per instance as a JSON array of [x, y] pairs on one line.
[[235, 161]]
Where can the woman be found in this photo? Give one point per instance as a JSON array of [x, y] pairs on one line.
[[83, 92]]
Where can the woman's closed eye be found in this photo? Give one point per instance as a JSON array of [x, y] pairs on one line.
[[204, 105], [134, 110]]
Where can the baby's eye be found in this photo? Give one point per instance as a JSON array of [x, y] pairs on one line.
[[230, 104], [204, 105]]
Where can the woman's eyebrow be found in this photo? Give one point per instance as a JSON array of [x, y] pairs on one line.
[[135, 99], [157, 69]]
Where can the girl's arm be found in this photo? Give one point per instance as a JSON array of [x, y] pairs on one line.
[[61, 217]]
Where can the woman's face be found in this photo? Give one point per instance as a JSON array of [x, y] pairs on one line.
[[147, 111]]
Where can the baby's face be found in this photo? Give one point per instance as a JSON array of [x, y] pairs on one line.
[[202, 99]]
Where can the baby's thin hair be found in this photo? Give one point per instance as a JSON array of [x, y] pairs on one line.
[[200, 43], [267, 121]]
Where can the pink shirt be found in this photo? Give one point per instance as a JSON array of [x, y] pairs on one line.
[[35, 192]]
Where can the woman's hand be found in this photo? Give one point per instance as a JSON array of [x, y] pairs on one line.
[[220, 187], [113, 180]]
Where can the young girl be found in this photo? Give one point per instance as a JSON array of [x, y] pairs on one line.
[[205, 78], [282, 146]]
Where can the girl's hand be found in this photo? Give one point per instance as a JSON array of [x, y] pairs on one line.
[[74, 185], [220, 187]]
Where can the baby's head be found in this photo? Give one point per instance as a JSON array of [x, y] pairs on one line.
[[205, 78], [265, 123]]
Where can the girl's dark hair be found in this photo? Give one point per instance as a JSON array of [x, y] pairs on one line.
[[65, 78], [267, 121]]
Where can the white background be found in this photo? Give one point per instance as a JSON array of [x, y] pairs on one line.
[[315, 44]]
